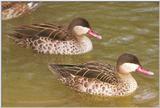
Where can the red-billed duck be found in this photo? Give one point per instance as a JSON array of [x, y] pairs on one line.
[[102, 79], [56, 39]]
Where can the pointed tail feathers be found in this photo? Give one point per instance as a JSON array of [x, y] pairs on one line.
[[58, 69]]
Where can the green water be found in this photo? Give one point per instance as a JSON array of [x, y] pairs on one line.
[[125, 26]]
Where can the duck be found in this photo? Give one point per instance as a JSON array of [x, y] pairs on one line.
[[15, 9], [99, 78], [49, 38]]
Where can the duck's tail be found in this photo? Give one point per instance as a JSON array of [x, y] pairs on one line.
[[59, 70], [22, 33], [15, 37]]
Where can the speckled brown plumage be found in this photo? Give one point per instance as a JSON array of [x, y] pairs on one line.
[[102, 79], [15, 9], [52, 39], [94, 78]]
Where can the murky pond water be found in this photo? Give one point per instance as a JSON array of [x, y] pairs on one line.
[[125, 26]]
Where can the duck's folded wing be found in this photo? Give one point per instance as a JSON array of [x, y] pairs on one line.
[[47, 30], [102, 72], [18, 5]]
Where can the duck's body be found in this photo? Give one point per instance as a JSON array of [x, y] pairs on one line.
[[15, 9], [53, 39], [96, 78]]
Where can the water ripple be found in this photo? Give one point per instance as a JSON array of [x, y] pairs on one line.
[[148, 9], [121, 39]]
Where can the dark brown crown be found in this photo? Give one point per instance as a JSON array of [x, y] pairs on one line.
[[78, 22], [127, 58]]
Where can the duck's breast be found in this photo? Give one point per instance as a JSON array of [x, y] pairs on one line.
[[86, 44]]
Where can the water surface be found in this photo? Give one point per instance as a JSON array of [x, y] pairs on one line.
[[125, 26]]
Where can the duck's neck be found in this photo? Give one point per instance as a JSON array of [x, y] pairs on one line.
[[126, 77], [85, 43], [128, 84]]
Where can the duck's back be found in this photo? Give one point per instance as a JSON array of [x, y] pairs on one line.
[[99, 71], [42, 30]]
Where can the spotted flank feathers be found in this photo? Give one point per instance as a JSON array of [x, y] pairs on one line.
[[15, 9]]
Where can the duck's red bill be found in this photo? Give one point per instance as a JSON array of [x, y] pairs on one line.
[[94, 34], [144, 71]]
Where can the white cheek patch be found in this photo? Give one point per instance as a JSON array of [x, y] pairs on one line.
[[79, 30], [128, 67]]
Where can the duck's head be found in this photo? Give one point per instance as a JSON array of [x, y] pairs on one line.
[[80, 27], [127, 63]]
